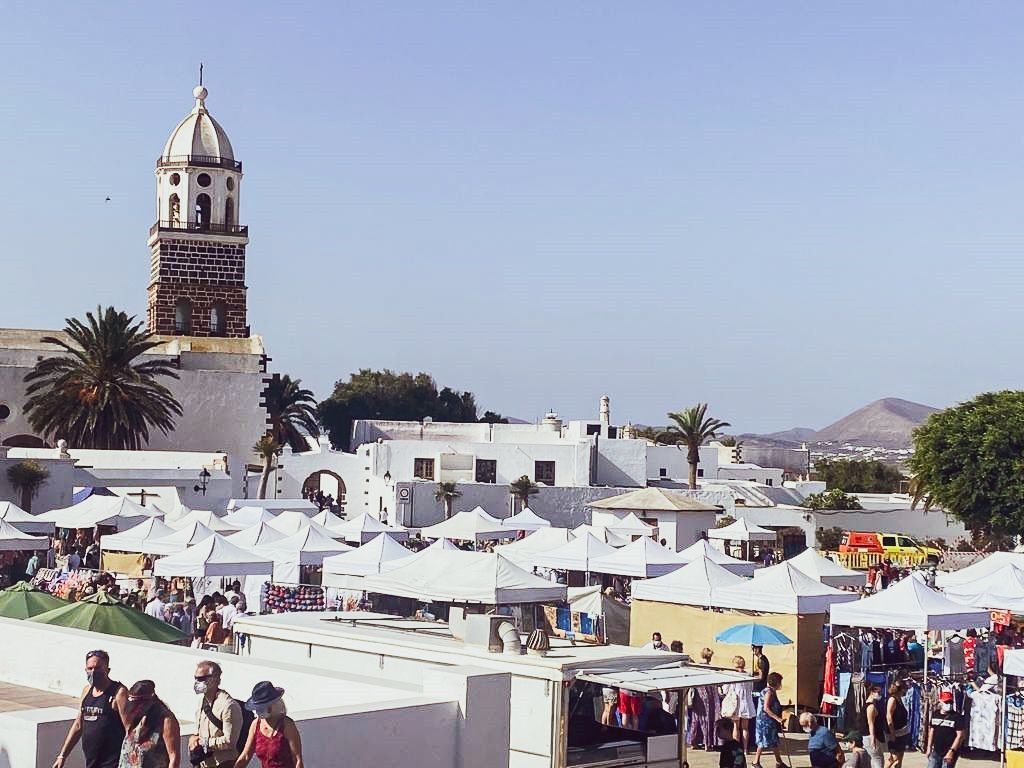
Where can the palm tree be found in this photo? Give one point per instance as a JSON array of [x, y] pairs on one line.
[[522, 489], [268, 449], [447, 493], [919, 494], [694, 427], [28, 477], [291, 410], [95, 393]]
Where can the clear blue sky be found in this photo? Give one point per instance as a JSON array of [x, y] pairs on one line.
[[785, 209]]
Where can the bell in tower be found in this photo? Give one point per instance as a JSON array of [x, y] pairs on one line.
[[197, 247]]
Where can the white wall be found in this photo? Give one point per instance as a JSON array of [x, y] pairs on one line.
[[440, 723]]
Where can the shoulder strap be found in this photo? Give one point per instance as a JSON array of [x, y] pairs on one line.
[[208, 711]]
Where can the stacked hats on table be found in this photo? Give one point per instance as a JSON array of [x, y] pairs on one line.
[[279, 598]]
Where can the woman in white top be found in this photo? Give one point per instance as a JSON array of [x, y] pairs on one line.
[[744, 710]]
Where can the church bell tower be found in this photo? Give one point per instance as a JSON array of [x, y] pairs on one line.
[[197, 247]]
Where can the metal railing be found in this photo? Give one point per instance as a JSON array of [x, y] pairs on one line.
[[202, 161], [191, 226]]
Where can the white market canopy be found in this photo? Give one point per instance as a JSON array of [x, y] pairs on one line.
[[577, 555], [631, 525], [985, 567], [179, 541], [24, 521], [465, 577], [783, 589], [1013, 662], [207, 518], [327, 519], [276, 505], [132, 539], [243, 517], [101, 510], [375, 556], [212, 557], [741, 530], [1001, 590], [289, 522], [255, 536], [696, 583], [644, 558], [702, 550], [823, 569], [306, 547], [542, 540], [364, 527], [526, 520], [601, 533], [909, 604], [12, 539], [475, 525]]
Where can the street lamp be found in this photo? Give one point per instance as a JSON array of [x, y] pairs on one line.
[[387, 477], [204, 478]]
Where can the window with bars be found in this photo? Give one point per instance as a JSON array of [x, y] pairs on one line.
[[423, 469], [486, 471], [544, 472]]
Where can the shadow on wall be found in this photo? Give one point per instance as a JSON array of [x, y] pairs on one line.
[[5, 760]]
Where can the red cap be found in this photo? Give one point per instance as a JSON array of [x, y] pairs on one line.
[[946, 696]]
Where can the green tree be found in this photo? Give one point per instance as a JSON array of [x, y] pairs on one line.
[[858, 476], [394, 396], [969, 460], [829, 539], [268, 449], [27, 477], [291, 411], [95, 393], [693, 427], [833, 499], [447, 493], [490, 417], [522, 489]]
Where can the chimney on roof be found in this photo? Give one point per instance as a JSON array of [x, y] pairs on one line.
[[606, 409]]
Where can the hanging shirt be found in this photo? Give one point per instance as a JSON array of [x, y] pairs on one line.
[[969, 645], [984, 721], [953, 658]]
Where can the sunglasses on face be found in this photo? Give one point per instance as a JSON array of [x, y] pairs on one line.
[[203, 678]]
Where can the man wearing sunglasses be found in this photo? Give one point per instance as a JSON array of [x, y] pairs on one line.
[[218, 721], [100, 721]]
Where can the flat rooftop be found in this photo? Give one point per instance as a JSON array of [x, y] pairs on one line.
[[14, 698], [433, 642]]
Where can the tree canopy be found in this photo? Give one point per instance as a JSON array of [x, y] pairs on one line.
[[833, 499], [969, 460], [291, 411], [97, 391], [858, 476], [392, 396]]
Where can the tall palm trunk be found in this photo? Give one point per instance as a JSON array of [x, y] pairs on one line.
[[26, 498], [693, 458], [268, 467], [447, 508]]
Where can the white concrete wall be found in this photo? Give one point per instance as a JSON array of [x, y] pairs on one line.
[[56, 491], [461, 720], [622, 463]]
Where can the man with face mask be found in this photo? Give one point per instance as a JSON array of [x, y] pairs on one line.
[[218, 721], [946, 734], [656, 642], [99, 723], [822, 746]]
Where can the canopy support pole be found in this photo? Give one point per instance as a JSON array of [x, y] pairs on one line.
[[1002, 752]]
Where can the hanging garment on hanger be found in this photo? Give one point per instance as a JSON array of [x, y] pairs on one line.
[[970, 644], [953, 657], [984, 719], [1014, 722], [982, 656], [829, 682]]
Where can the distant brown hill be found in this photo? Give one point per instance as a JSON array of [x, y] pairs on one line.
[[887, 422]]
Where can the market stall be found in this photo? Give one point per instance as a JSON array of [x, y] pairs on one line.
[[24, 521], [631, 525], [123, 552], [601, 533], [212, 521], [14, 540], [824, 570], [213, 557], [475, 525], [702, 550], [290, 521], [644, 558], [745, 533], [464, 577], [254, 536], [542, 540], [298, 558], [575, 556], [526, 520], [362, 528], [112, 511], [183, 538], [984, 567], [346, 570], [695, 583], [244, 517]]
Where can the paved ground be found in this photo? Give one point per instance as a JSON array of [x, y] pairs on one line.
[[16, 697], [698, 758]]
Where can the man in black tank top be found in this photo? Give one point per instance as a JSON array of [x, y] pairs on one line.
[[100, 721]]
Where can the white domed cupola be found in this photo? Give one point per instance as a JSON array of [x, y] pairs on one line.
[[198, 178], [199, 135]]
